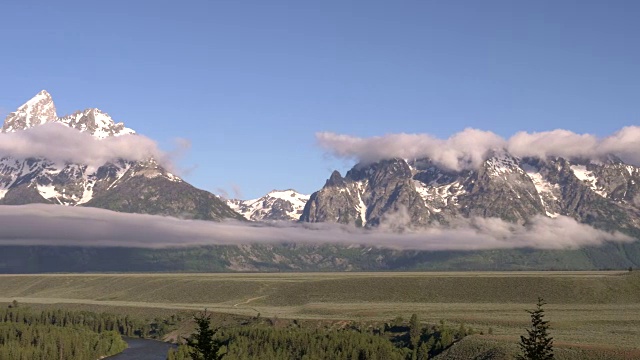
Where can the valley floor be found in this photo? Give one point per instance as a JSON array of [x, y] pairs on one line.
[[587, 310]]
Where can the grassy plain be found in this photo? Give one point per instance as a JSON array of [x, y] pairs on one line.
[[588, 310]]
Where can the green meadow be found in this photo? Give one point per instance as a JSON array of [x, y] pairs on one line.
[[590, 312]]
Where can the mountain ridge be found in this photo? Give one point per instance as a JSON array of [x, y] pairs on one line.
[[604, 194]]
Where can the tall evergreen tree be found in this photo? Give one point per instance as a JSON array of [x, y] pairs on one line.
[[202, 343], [415, 332], [423, 352], [537, 345]]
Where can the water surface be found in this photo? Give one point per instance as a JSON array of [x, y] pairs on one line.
[[143, 349]]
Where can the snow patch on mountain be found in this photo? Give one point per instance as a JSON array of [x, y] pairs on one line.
[[8, 169], [119, 174], [546, 191], [437, 195], [586, 176], [361, 207], [172, 177], [422, 190], [87, 193], [49, 192], [632, 170], [290, 195], [502, 163]]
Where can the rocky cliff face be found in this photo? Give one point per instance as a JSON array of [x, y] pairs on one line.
[[120, 185], [603, 193]]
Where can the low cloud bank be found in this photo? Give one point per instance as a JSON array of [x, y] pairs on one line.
[[469, 148], [62, 144], [55, 225]]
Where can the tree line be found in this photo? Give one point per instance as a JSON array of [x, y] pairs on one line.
[[28, 342], [397, 340], [96, 322], [61, 334], [393, 341], [28, 335]]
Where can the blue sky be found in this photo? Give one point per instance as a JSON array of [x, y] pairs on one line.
[[249, 83]]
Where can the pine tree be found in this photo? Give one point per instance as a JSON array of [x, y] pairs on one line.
[[538, 345], [423, 352], [203, 345], [415, 331]]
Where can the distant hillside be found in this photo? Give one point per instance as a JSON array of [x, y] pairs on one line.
[[36, 259]]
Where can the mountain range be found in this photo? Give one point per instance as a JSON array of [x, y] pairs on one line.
[[603, 193]]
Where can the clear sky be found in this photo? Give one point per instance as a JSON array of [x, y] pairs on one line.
[[249, 83]]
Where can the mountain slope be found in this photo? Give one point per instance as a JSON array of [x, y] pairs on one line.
[[120, 185], [147, 188]]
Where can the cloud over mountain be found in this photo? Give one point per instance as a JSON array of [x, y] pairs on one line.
[[469, 148], [63, 144]]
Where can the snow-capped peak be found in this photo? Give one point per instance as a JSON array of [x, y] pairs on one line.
[[37, 111], [40, 110], [288, 195], [96, 122], [276, 205], [43, 95]]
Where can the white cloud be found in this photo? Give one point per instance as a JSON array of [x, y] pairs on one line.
[[625, 143], [59, 143], [469, 148], [465, 149], [561, 143], [73, 226]]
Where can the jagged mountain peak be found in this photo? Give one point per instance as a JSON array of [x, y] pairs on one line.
[[335, 179], [41, 109], [43, 95], [95, 121], [37, 111]]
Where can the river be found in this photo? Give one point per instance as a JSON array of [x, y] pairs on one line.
[[143, 349]]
